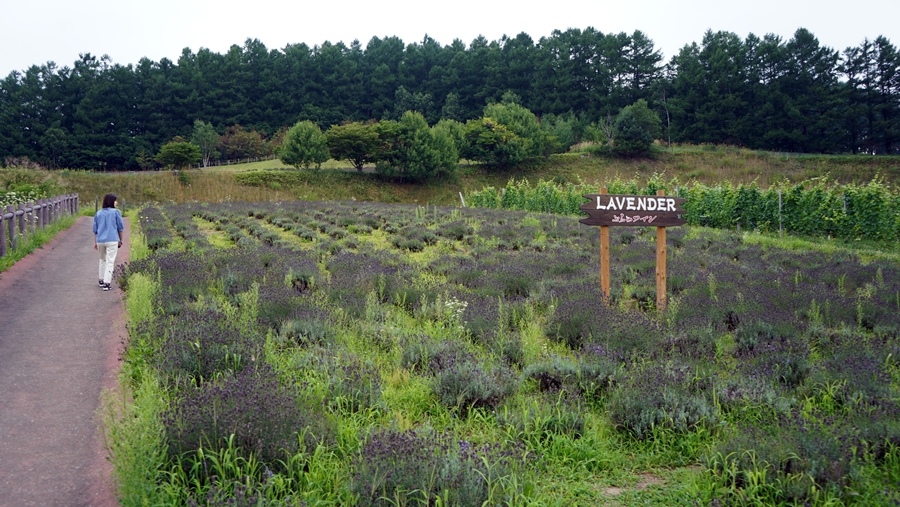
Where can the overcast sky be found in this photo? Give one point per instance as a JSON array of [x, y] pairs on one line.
[[35, 32]]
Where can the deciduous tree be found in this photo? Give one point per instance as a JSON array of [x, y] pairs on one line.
[[238, 143], [492, 144], [178, 154], [356, 142], [206, 138], [521, 121], [304, 145]]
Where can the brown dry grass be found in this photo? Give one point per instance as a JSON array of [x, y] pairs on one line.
[[166, 186], [714, 164], [337, 181]]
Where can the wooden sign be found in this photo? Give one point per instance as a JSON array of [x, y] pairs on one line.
[[651, 210], [660, 211]]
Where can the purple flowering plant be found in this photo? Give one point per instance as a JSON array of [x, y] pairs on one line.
[[803, 344]]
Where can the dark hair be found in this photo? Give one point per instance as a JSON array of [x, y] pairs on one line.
[[109, 200]]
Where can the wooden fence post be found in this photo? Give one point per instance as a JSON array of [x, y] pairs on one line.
[[40, 212], [21, 213], [11, 226], [2, 234], [32, 218]]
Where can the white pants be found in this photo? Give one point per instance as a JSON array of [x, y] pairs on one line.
[[108, 253]]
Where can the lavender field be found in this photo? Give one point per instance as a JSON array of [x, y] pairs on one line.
[[309, 353]]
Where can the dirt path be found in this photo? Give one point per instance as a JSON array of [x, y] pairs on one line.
[[60, 340]]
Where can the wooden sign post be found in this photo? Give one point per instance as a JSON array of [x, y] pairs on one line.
[[607, 210], [604, 258], [660, 266]]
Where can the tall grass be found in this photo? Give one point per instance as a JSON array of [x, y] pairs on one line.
[[135, 440], [138, 242], [34, 240], [815, 208], [165, 186], [131, 416], [708, 165]]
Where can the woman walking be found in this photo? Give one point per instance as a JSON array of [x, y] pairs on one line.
[[108, 226]]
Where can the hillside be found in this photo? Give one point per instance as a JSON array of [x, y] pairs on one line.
[[336, 181]]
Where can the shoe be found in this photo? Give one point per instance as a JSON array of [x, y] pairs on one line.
[[106, 286], [101, 283]]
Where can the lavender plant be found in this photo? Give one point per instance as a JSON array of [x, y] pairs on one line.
[[354, 385], [802, 345], [403, 467], [554, 374], [201, 347], [265, 419], [467, 385], [155, 228], [662, 396]]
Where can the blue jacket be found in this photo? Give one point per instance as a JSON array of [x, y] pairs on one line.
[[107, 225]]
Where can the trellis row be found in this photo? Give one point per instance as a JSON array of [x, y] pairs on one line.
[[27, 218]]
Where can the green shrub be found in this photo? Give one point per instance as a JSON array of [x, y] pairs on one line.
[[456, 230], [808, 456], [305, 332], [423, 354], [354, 385], [263, 417], [547, 417], [748, 336], [661, 397], [206, 347], [507, 346], [410, 245], [552, 375], [469, 384], [409, 468], [596, 377]]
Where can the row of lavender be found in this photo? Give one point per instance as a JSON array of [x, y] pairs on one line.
[[788, 361]]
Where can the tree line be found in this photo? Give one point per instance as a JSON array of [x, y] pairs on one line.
[[507, 135], [793, 95]]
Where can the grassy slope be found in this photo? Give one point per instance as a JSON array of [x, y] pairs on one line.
[[337, 181]]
